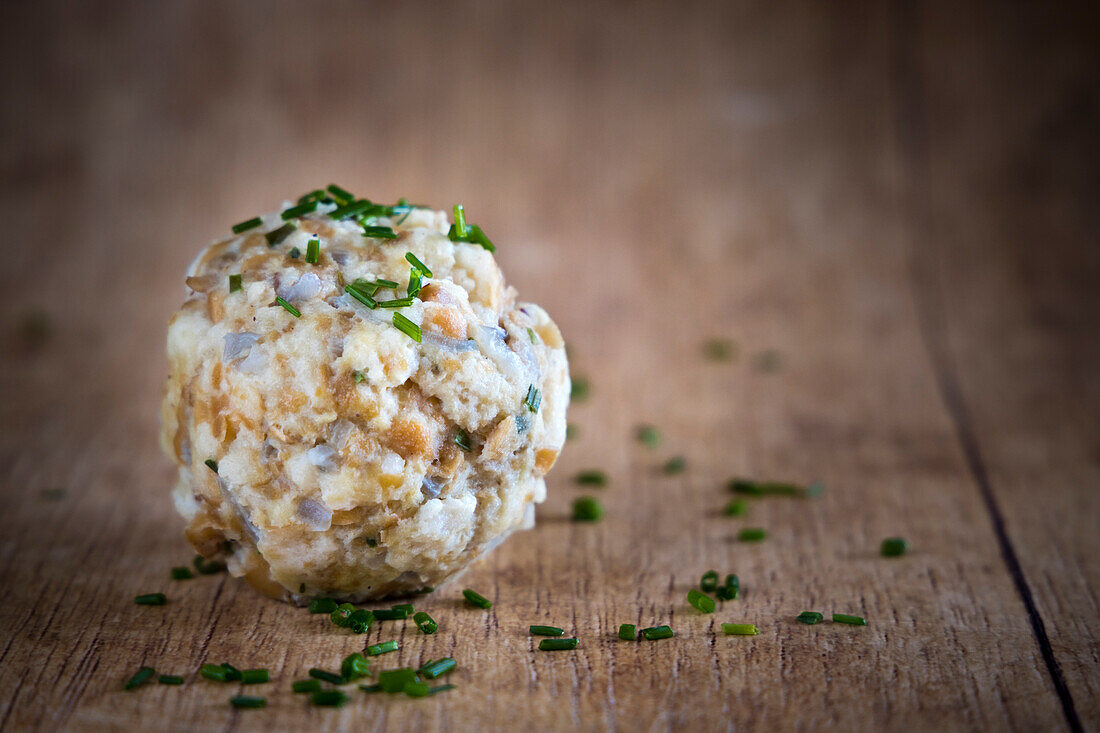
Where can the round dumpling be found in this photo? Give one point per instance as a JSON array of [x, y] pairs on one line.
[[357, 403]]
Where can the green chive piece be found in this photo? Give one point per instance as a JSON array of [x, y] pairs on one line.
[[414, 283], [752, 534], [843, 618], [151, 599], [390, 614], [578, 391], [300, 210], [323, 605], [740, 629], [306, 685], [440, 688], [709, 582], [462, 440], [289, 308], [379, 232], [248, 701], [254, 676], [396, 303], [417, 689], [320, 674], [360, 620], [628, 632], [385, 284], [730, 589], [182, 573], [340, 194], [232, 674], [354, 666], [894, 547], [700, 601], [556, 645], [371, 688], [533, 399], [385, 647], [658, 632], [735, 508], [438, 668], [234, 283], [140, 677], [425, 622], [775, 488], [587, 509], [244, 226], [531, 335], [546, 631], [314, 195], [169, 679], [359, 376], [313, 250], [211, 464], [394, 680], [478, 237], [591, 478], [215, 672], [407, 327], [294, 253], [648, 435], [361, 296], [719, 349], [810, 617], [676, 464], [350, 209], [476, 599], [207, 567], [460, 221], [415, 262], [329, 698], [276, 236]]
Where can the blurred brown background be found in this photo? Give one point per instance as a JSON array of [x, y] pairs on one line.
[[890, 209]]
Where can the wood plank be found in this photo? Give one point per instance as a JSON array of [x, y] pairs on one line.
[[689, 173]]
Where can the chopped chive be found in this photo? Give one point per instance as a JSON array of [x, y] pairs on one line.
[[462, 440], [843, 618], [275, 236], [415, 262], [579, 389], [390, 614], [211, 464], [329, 698], [425, 622], [313, 250], [396, 303], [406, 607], [289, 308], [440, 688], [407, 327], [394, 680], [533, 399], [371, 688], [628, 632], [700, 601], [476, 599], [361, 297], [414, 283], [546, 631], [417, 689], [234, 283], [215, 672], [232, 674], [587, 509], [379, 232], [460, 221], [531, 335], [658, 632], [385, 283], [140, 677], [244, 226], [323, 605], [354, 666], [340, 194], [557, 645], [169, 679], [648, 435], [740, 629], [709, 582], [894, 547], [350, 209], [294, 253], [478, 237], [320, 674], [182, 573], [314, 195], [207, 567], [719, 349], [254, 676], [752, 534], [735, 508], [360, 376], [774, 488], [306, 685], [385, 647], [360, 620], [810, 617], [151, 599], [248, 701], [301, 209], [438, 668], [676, 464], [591, 478], [729, 590]]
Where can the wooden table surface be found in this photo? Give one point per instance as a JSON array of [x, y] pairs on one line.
[[890, 208]]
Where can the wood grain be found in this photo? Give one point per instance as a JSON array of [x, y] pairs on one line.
[[858, 189]]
